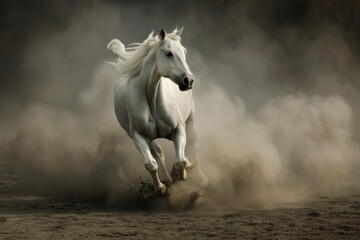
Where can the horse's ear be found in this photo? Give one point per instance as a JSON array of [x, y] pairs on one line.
[[162, 34], [179, 31]]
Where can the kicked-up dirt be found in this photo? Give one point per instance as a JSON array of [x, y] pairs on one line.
[[35, 217]]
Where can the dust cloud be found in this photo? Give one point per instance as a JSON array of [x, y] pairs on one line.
[[277, 105]]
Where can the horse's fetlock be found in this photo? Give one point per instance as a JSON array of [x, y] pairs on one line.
[[180, 165], [151, 166]]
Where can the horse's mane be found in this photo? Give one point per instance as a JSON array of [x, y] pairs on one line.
[[131, 57]]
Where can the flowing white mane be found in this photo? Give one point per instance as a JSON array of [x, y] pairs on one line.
[[131, 57]]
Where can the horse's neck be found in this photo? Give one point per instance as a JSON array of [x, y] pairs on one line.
[[149, 81]]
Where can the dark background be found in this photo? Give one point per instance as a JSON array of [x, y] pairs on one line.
[[216, 22]]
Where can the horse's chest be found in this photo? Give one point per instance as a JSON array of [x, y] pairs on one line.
[[164, 126], [158, 123]]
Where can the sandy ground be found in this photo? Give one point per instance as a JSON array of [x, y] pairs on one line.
[[32, 217]]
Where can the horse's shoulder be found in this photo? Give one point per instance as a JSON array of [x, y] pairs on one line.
[[173, 105]]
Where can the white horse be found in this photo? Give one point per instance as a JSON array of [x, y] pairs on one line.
[[153, 100]]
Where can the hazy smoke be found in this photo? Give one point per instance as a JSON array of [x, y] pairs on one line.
[[274, 114], [291, 148]]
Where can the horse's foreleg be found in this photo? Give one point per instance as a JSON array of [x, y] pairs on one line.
[[179, 169], [158, 154], [150, 163]]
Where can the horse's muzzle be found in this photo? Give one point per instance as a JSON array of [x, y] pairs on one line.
[[186, 84], [184, 88]]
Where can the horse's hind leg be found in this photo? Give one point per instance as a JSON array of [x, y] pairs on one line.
[[158, 154], [192, 151], [150, 163]]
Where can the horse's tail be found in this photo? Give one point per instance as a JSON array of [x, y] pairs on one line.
[[117, 47]]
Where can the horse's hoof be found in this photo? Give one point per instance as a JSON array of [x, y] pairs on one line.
[[161, 191], [178, 174], [183, 174], [179, 171]]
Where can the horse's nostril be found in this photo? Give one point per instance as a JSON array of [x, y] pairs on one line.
[[191, 82], [186, 81]]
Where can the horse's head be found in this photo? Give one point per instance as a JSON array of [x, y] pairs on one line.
[[171, 60]]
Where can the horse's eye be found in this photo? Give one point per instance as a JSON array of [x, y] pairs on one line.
[[169, 54]]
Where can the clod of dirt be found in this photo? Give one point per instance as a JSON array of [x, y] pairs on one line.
[[2, 219], [313, 214], [228, 216], [347, 228]]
